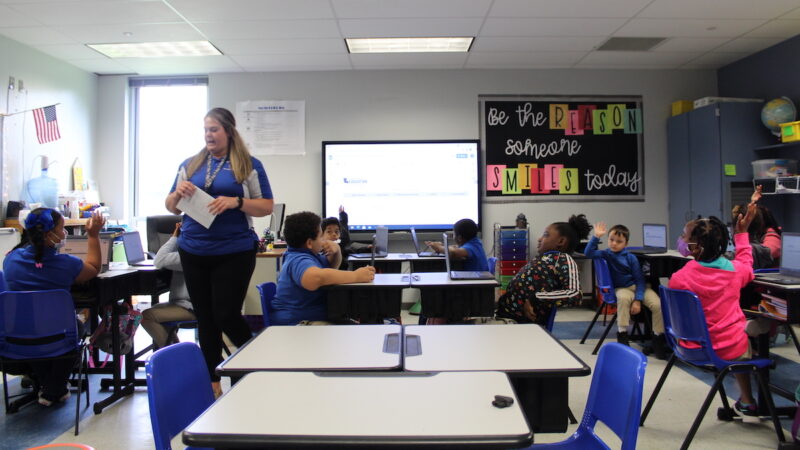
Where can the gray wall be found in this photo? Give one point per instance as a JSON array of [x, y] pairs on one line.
[[47, 81]]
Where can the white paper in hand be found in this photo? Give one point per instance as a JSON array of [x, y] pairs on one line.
[[196, 207]]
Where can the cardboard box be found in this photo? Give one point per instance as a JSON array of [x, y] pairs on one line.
[[681, 106]]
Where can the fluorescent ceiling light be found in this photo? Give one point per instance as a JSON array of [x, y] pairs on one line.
[[156, 49], [409, 45]]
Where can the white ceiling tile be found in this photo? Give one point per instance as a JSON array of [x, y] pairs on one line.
[[716, 59], [373, 9], [272, 29], [11, 18], [523, 59], [690, 44], [776, 29], [718, 9], [253, 63], [710, 28], [409, 27], [566, 8], [550, 27], [186, 65], [409, 60], [669, 59], [104, 66], [214, 10], [97, 12], [533, 44], [793, 14], [748, 45], [37, 36], [69, 51], [155, 32], [280, 46]]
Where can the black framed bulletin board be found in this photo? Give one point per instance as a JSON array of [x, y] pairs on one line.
[[556, 148]]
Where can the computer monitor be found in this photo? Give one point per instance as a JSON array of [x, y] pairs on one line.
[[276, 220]]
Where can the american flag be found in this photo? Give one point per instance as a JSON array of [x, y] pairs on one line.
[[46, 124]]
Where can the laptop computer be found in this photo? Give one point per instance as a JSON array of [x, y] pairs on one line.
[[133, 249], [789, 272], [655, 239], [416, 245], [380, 245], [79, 246], [462, 274]]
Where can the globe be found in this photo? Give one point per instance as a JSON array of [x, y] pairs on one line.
[[776, 112]]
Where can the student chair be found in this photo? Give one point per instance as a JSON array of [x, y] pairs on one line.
[[684, 320], [178, 390], [159, 230], [615, 398], [267, 292], [38, 326], [492, 261], [3, 285]]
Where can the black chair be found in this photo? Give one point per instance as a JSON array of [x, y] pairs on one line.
[[159, 229]]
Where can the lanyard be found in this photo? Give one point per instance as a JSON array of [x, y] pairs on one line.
[[211, 176]]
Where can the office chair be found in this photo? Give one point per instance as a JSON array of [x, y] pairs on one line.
[[684, 320], [38, 326], [159, 230], [178, 390], [615, 398], [267, 293]]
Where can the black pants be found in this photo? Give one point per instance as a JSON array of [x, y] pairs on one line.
[[217, 286]]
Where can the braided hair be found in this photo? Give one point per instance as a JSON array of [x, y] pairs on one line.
[[712, 236], [574, 230], [38, 223]]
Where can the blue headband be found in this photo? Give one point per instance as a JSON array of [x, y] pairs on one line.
[[43, 219]]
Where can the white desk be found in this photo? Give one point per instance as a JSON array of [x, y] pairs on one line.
[[393, 262], [428, 279], [538, 365], [454, 299], [303, 408], [336, 347]]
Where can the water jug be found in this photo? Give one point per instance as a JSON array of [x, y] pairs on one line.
[[44, 190]]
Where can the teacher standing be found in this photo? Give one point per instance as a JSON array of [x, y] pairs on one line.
[[219, 261]]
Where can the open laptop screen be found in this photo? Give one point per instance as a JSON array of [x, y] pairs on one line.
[[133, 247], [655, 235], [79, 246], [790, 254]]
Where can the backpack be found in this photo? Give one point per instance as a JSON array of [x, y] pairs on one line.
[[128, 323]]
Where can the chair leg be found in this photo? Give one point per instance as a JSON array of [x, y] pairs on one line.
[[605, 333], [660, 383], [790, 332], [591, 325], [724, 397], [5, 387], [703, 409], [571, 416], [80, 389], [770, 404]]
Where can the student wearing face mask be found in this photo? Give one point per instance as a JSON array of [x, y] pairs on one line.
[[36, 265]]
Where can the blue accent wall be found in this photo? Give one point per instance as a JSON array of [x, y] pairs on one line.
[[770, 73]]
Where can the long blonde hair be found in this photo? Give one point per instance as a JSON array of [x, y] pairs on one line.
[[241, 164]]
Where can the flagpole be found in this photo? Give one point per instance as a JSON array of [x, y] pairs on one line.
[[27, 110]]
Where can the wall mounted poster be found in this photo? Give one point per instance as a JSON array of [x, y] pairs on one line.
[[553, 148], [273, 127]]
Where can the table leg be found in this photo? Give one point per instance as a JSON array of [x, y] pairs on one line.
[[118, 389]]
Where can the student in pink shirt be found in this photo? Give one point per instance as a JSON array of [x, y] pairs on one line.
[[717, 282]]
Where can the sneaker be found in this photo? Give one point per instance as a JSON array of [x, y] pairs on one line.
[[622, 338], [43, 401], [415, 309], [746, 409]]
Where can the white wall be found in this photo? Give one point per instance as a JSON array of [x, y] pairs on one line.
[[419, 104], [47, 81]]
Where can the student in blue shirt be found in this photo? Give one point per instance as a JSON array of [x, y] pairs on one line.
[[298, 296], [36, 265], [629, 284], [468, 248], [219, 261]]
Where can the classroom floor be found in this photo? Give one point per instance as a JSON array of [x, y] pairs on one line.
[[126, 424]]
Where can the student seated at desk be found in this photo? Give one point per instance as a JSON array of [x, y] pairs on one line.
[[716, 281], [36, 265], [468, 248], [629, 284], [550, 279], [179, 307], [764, 234], [298, 297]]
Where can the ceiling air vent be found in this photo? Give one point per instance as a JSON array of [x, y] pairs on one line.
[[631, 44]]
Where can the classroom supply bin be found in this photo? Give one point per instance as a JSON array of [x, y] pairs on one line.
[[790, 131], [773, 168], [512, 249], [682, 106]]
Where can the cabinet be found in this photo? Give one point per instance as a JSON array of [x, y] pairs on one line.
[[699, 144], [785, 205]]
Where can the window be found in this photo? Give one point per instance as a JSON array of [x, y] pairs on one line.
[[167, 128]]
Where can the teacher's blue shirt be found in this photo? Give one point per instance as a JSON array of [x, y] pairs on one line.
[[232, 231], [292, 302]]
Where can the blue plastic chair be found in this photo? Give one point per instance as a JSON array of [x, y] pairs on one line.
[[684, 320], [267, 292], [492, 262], [604, 287], [615, 398], [37, 326], [3, 285], [178, 390]]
